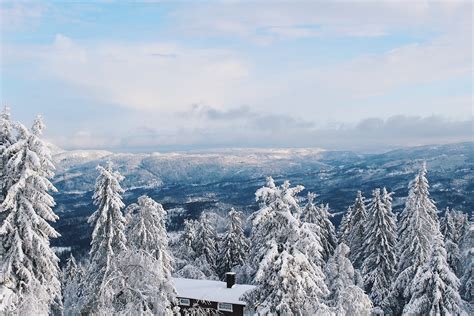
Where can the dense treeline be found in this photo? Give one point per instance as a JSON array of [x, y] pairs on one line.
[[375, 263]]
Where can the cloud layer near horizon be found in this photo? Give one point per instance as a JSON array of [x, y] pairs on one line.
[[242, 127]]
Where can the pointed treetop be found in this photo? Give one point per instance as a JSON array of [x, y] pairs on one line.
[[387, 199], [109, 165], [423, 167], [376, 193], [38, 126], [5, 114], [311, 197], [270, 182]]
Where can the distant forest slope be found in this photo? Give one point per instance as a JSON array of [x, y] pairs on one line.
[[189, 183]]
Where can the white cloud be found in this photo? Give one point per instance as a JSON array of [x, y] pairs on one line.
[[86, 140], [441, 59], [150, 75], [159, 77], [155, 79], [266, 21], [19, 15], [252, 129]]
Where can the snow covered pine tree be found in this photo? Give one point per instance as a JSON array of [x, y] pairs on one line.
[[467, 251], [345, 298], [6, 140], [319, 215], [72, 286], [234, 246], [142, 278], [345, 227], [206, 240], [188, 263], [108, 239], [30, 267], [417, 226], [435, 287], [454, 226], [285, 257], [379, 265], [358, 221]]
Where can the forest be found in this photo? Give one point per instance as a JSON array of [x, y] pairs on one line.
[[376, 262]]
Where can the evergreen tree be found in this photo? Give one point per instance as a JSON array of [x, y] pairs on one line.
[[454, 225], [206, 240], [435, 287], [379, 266], [70, 271], [6, 140], [289, 282], [418, 225], [30, 267], [141, 281], [234, 246], [108, 238], [72, 279], [387, 201], [345, 227], [345, 297], [146, 232], [357, 230], [319, 215], [467, 251], [188, 238], [189, 264]]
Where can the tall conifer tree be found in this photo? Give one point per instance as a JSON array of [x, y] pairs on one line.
[[30, 266], [357, 230], [234, 246], [417, 226], [378, 266], [108, 238]]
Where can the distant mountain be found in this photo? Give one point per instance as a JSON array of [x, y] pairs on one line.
[[188, 183]]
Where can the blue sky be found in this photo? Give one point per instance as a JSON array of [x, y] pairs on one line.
[[155, 76]]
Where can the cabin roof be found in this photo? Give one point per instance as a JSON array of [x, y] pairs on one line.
[[213, 291]]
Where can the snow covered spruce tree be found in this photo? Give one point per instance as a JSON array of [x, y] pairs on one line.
[[234, 246], [72, 286], [356, 238], [289, 282], [345, 227], [379, 265], [435, 287], [387, 201], [30, 267], [142, 277], [146, 231], [206, 240], [188, 238], [319, 215], [345, 297], [6, 140], [467, 251], [454, 226], [417, 226], [108, 238], [187, 262]]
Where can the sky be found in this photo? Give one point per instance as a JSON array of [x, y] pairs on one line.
[[187, 75]]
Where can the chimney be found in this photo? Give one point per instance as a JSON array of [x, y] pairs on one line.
[[230, 279]]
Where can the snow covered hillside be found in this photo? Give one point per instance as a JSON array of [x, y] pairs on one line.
[[188, 183]]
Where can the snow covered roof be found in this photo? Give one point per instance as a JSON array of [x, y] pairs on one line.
[[213, 291]]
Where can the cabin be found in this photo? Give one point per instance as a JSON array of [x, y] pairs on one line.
[[224, 297]]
